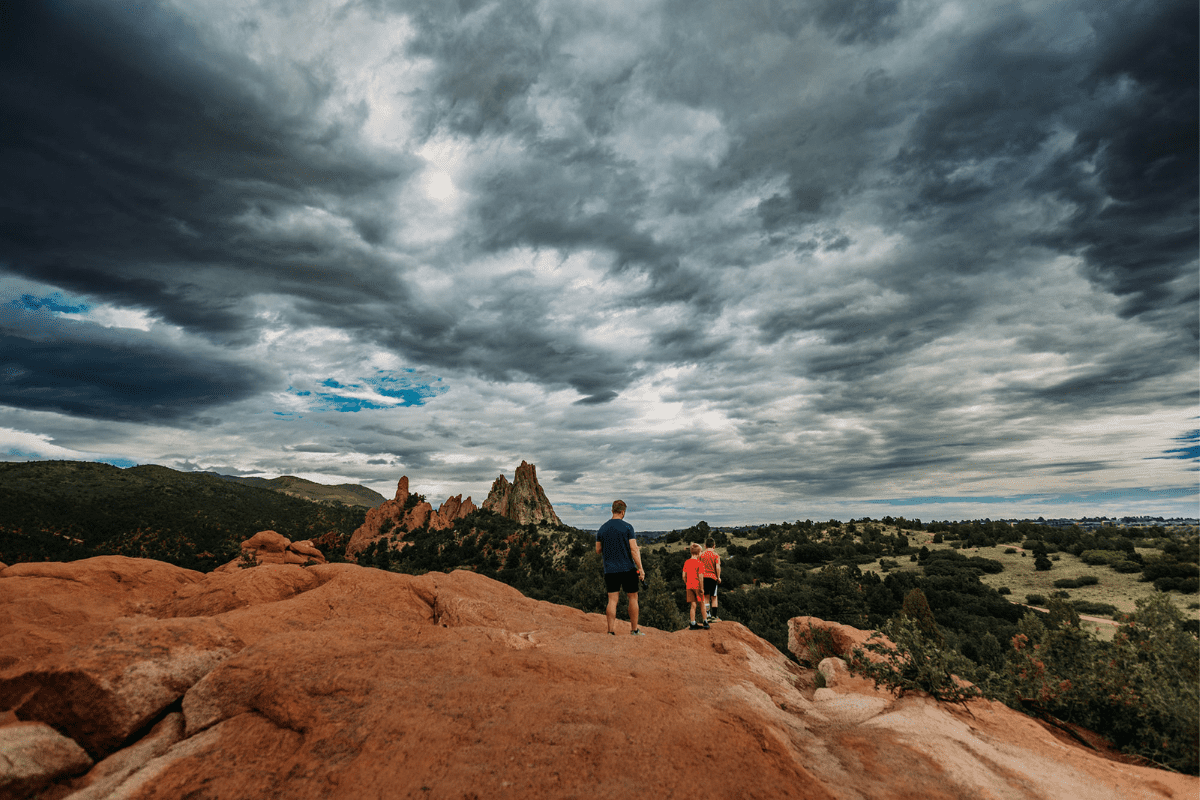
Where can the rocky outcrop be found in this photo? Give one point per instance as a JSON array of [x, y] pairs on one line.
[[523, 500], [269, 547], [107, 690], [355, 682], [33, 755], [401, 514]]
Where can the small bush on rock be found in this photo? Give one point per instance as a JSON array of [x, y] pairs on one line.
[[915, 663]]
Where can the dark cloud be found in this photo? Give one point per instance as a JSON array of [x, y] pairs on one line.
[[799, 249], [85, 370], [133, 154]]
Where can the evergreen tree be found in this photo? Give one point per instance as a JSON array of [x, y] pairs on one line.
[[916, 608]]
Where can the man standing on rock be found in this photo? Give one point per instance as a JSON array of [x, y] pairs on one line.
[[622, 566]]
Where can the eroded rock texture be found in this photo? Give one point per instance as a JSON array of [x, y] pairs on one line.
[[340, 681], [523, 500], [402, 514]]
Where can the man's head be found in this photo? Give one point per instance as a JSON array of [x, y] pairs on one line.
[[695, 549], [710, 543], [618, 508]]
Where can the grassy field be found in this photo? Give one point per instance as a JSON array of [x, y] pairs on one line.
[[1021, 578], [1114, 588]]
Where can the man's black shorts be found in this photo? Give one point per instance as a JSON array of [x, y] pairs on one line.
[[628, 581], [710, 586]]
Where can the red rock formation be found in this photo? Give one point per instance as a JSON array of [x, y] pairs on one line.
[[269, 547], [357, 682], [397, 516], [32, 755], [523, 500]]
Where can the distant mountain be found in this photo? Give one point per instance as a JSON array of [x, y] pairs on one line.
[[350, 494], [67, 510]]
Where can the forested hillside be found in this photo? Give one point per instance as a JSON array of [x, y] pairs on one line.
[[67, 510]]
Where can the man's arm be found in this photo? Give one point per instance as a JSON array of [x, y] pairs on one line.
[[599, 549], [637, 556], [718, 570]]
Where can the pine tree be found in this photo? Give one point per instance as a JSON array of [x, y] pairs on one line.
[[916, 608]]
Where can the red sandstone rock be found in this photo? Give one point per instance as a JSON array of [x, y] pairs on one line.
[[269, 547], [219, 592], [33, 755], [48, 607], [306, 548], [107, 776], [395, 517], [845, 638], [365, 683], [523, 500], [101, 693], [267, 542]]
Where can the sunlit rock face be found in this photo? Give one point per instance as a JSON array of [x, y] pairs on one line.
[[341, 681], [399, 515], [523, 500]]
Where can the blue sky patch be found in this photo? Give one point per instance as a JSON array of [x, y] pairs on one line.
[[123, 463], [55, 302], [1190, 451], [382, 390]]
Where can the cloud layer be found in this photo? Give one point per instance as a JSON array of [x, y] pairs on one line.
[[746, 262]]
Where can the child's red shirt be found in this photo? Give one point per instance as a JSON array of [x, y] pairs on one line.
[[692, 569]]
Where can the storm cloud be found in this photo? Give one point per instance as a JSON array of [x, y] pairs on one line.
[[743, 262]]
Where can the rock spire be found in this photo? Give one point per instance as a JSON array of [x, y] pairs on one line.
[[523, 500], [405, 513]]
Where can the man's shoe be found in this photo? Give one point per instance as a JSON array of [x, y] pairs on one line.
[[638, 632], [704, 626], [693, 627], [713, 619]]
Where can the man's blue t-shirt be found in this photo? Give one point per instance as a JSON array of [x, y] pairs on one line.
[[614, 537]]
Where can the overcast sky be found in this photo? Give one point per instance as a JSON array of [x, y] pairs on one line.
[[744, 261]]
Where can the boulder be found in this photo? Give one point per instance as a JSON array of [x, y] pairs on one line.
[[99, 694], [33, 755], [103, 780], [842, 639], [269, 547], [267, 542], [48, 607], [219, 591]]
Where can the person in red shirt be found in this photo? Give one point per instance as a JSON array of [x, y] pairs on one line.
[[692, 571], [712, 576]]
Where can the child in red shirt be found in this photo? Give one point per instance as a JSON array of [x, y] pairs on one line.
[[693, 569]]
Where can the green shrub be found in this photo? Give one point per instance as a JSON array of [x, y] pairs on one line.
[[819, 645], [914, 663], [1089, 607], [1141, 690], [1076, 583], [1096, 557], [1035, 599], [1004, 590]]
